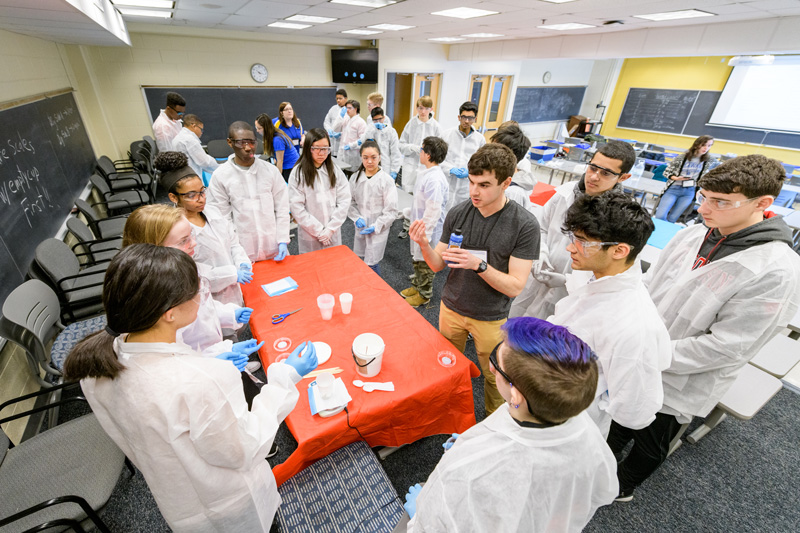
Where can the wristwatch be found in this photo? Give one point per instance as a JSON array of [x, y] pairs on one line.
[[481, 268]]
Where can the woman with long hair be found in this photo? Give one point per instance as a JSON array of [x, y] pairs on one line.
[[181, 418], [277, 145], [291, 125], [319, 195], [682, 174]]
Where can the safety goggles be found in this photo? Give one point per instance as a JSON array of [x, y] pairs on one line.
[[587, 248], [722, 205], [241, 143], [602, 172], [320, 148], [194, 195]]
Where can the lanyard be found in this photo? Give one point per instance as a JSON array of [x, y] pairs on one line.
[[700, 260]]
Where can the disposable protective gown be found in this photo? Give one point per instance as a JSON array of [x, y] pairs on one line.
[[391, 158], [330, 120], [459, 149], [352, 129], [183, 421], [318, 208], [430, 199], [410, 143], [205, 335], [499, 476], [218, 247], [374, 200]]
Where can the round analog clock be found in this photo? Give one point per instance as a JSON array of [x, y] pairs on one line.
[[259, 72], [546, 77]]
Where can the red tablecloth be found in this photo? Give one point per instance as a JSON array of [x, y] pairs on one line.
[[542, 192], [428, 399]]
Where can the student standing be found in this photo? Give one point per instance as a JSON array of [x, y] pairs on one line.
[[418, 128], [188, 142], [512, 136], [352, 127], [462, 141], [682, 174], [319, 195], [291, 125], [385, 135], [168, 123], [332, 117], [276, 145], [376, 100]]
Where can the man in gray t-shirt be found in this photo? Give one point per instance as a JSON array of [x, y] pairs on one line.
[[501, 240]]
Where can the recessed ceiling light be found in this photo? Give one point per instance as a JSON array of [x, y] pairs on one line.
[[447, 39], [309, 18], [564, 27], [675, 15], [391, 27], [558, 1], [365, 3], [464, 13], [158, 4], [145, 13], [289, 25], [362, 32], [483, 35]]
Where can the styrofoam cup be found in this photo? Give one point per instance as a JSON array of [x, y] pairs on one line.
[[325, 302], [325, 383], [346, 301]]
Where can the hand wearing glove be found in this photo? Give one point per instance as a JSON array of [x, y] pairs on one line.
[[346, 147], [325, 237], [411, 500], [553, 279], [283, 251], [336, 134], [361, 223], [449, 442], [379, 125], [462, 173], [242, 315], [393, 175], [243, 275], [359, 142], [539, 266], [330, 133], [343, 111], [239, 360], [368, 230], [303, 362], [247, 347]]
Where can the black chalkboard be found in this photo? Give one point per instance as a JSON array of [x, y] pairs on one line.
[[657, 109], [45, 162], [546, 104], [219, 107]]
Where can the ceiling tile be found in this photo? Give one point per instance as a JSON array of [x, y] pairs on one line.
[[273, 10]]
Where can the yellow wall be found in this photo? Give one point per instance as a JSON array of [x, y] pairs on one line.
[[700, 73]]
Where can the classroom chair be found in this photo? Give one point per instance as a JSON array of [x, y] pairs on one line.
[[124, 178], [116, 202], [92, 249], [219, 149], [104, 228], [778, 356]]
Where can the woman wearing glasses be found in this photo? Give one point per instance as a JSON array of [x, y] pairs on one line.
[[682, 175], [319, 195], [291, 125]]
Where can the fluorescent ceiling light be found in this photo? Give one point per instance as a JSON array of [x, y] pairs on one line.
[[365, 3], [565, 27], [464, 13], [447, 39], [391, 27], [158, 4], [289, 25], [362, 32], [751, 60], [145, 13], [675, 15], [482, 35], [309, 18], [558, 1]]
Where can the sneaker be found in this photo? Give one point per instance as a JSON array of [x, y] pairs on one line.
[[417, 300], [273, 451], [252, 366], [292, 225], [402, 235], [624, 496], [409, 292]]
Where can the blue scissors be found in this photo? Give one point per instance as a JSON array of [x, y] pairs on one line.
[[277, 319]]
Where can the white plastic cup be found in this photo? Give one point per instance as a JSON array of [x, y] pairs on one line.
[[368, 354], [346, 301], [325, 382], [325, 302]]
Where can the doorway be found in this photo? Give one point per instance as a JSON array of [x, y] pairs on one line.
[[402, 91], [490, 94]]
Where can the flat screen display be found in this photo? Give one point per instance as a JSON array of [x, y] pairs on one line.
[[355, 65]]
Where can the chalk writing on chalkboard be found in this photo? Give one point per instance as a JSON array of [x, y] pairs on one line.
[[664, 110], [24, 187]]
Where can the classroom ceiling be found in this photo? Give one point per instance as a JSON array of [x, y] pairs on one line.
[[515, 19]]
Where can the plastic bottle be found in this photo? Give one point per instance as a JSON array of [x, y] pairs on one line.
[[455, 240], [638, 169]]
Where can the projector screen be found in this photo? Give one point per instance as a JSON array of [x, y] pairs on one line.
[[761, 97]]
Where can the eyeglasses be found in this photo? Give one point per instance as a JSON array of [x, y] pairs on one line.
[[180, 113], [240, 143], [198, 126], [587, 248], [466, 118], [370, 158], [722, 205], [496, 366], [194, 195], [603, 172], [320, 148]]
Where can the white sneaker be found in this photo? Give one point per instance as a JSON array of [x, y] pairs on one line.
[[252, 366]]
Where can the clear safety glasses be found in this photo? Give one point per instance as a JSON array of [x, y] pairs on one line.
[[587, 248], [602, 172], [321, 149], [722, 205], [240, 143], [194, 195]]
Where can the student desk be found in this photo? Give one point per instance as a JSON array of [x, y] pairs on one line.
[[429, 399], [571, 169]]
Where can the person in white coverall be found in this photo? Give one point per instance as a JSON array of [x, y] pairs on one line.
[[610, 166], [608, 307], [385, 135], [420, 126], [462, 141], [182, 419], [376, 100], [319, 195], [510, 134], [373, 208], [332, 117], [352, 127], [168, 122], [538, 464], [188, 142], [723, 288], [253, 194]]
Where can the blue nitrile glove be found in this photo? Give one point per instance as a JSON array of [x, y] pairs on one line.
[[247, 347], [330, 133], [283, 251], [411, 500], [380, 125], [361, 223], [336, 134], [449, 442], [460, 173], [393, 175], [242, 315], [346, 147], [343, 111], [305, 363], [243, 275], [359, 142], [368, 230], [239, 360]]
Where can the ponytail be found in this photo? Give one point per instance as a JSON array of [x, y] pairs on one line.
[[93, 357]]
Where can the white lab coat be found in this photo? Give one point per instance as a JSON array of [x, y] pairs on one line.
[[183, 421], [164, 130], [318, 208], [459, 150], [387, 140], [331, 118], [410, 143], [257, 201], [187, 142], [218, 247], [374, 200], [718, 315], [521, 196], [524, 175], [615, 316], [430, 199], [499, 476], [537, 299], [205, 334], [352, 129]]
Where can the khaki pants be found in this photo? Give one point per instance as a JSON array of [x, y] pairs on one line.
[[487, 335]]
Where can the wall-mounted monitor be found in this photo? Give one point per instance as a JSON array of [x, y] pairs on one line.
[[355, 65]]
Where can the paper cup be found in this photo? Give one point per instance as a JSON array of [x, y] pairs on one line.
[[346, 301], [325, 382], [325, 302]]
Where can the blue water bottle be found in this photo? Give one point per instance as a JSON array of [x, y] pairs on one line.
[[455, 240]]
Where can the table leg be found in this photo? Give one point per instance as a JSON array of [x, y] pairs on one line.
[[712, 421]]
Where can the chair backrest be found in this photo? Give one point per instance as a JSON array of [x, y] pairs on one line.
[[80, 230], [89, 213], [219, 148], [100, 184], [56, 260], [152, 143], [105, 166]]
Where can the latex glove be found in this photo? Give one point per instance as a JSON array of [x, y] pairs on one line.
[[411, 500], [347, 148], [304, 363], [242, 315], [330, 133], [243, 275], [462, 173], [553, 279], [239, 360], [283, 251], [379, 125], [368, 230], [336, 134], [540, 267], [449, 442], [359, 142], [247, 347], [393, 175], [343, 111], [361, 223]]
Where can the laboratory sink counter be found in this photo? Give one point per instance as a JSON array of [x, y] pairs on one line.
[[429, 398]]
